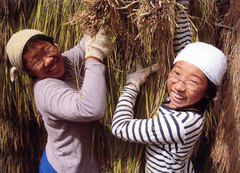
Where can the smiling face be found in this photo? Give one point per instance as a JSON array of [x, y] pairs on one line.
[[43, 59], [182, 93]]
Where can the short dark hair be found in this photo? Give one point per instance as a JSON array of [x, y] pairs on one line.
[[211, 89]]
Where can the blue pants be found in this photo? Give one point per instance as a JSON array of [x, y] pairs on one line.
[[45, 166]]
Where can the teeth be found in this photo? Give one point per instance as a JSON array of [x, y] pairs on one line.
[[53, 68], [178, 97]]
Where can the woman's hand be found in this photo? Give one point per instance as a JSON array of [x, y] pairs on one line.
[[99, 46], [138, 74]]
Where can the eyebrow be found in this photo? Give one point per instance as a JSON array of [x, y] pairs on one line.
[[197, 77]]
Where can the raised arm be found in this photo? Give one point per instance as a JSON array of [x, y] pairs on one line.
[[182, 34], [61, 100]]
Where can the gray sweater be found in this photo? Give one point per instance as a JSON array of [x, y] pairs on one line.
[[68, 112]]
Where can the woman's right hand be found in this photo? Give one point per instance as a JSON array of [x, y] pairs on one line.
[[138, 74]]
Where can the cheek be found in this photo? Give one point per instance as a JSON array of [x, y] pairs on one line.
[[38, 71], [62, 70], [169, 85], [196, 97]]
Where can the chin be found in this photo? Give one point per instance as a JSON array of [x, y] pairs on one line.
[[61, 72], [177, 106]]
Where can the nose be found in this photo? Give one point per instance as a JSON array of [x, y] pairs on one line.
[[180, 86], [48, 60]]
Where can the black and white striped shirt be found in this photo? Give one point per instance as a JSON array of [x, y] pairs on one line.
[[182, 33], [170, 136]]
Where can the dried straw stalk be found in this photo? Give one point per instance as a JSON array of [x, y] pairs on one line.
[[225, 151]]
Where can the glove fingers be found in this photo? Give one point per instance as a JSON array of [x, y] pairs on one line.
[[155, 68], [136, 67], [139, 66], [152, 69], [99, 45]]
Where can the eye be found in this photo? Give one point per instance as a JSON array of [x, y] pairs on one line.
[[175, 73], [46, 50], [192, 85], [193, 81], [36, 61]]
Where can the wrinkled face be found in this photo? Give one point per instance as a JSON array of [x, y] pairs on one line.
[[186, 84], [44, 60]]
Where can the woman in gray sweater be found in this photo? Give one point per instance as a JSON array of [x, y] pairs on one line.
[[67, 102]]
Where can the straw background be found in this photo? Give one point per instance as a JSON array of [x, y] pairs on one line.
[[143, 31]]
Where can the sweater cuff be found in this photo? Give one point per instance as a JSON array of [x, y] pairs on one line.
[[131, 90]]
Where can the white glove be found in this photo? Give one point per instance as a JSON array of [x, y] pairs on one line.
[[139, 74], [98, 46]]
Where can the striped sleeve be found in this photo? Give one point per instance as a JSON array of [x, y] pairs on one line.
[[182, 35], [163, 129], [193, 129]]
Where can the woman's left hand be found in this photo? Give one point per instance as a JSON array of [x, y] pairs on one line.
[[99, 46]]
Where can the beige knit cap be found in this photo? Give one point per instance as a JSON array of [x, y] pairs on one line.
[[209, 59], [15, 47]]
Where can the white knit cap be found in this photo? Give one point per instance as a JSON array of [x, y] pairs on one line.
[[209, 59], [15, 47]]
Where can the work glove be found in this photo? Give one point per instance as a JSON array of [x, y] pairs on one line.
[[98, 46], [138, 74]]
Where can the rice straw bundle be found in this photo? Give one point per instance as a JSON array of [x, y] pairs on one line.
[[225, 151], [96, 15], [149, 42]]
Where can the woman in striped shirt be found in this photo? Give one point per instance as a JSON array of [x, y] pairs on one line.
[[170, 136]]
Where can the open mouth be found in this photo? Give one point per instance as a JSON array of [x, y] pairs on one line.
[[52, 67], [177, 98]]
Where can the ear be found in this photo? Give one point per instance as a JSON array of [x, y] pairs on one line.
[[216, 96]]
